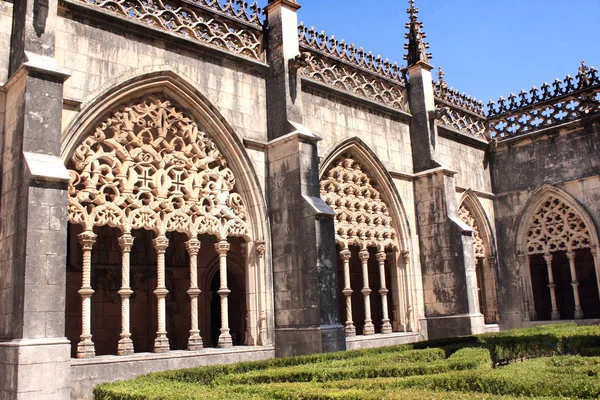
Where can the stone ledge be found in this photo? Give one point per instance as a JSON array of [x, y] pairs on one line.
[[380, 340]]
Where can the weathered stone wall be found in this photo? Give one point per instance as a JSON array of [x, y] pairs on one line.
[[566, 158], [469, 161], [102, 57], [5, 30]]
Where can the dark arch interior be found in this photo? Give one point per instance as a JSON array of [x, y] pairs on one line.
[[106, 281]]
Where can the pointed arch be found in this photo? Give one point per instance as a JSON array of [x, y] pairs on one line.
[[169, 85], [536, 200], [384, 182], [473, 214]]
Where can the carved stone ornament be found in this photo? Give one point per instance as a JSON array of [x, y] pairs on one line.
[[555, 226], [228, 26], [362, 217], [465, 215], [149, 166]]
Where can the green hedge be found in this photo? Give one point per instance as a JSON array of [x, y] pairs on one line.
[[458, 368]]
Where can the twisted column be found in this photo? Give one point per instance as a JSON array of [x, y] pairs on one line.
[[555, 314], [195, 340], [125, 346], [575, 285], [407, 290], [369, 328], [350, 329], [85, 348], [161, 343], [225, 337], [386, 327]]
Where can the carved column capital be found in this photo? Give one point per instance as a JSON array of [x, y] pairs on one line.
[[126, 242], [571, 255], [363, 255], [193, 247], [222, 247], [260, 249], [87, 240], [345, 254], [548, 258], [381, 256], [160, 243], [406, 256]]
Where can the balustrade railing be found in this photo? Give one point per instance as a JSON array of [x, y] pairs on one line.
[[226, 24], [561, 102], [343, 66]]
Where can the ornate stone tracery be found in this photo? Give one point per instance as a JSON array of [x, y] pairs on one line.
[[149, 166], [362, 217], [555, 226], [465, 215]]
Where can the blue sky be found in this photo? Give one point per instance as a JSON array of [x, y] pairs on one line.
[[487, 48]]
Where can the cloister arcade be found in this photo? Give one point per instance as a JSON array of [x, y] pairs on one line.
[[160, 235], [558, 256], [370, 252]]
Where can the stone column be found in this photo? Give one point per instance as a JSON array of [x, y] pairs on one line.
[[594, 252], [386, 327], [195, 340], [369, 328], [552, 286], [85, 348], [575, 285], [262, 323], [225, 337], [350, 329], [529, 313], [161, 343], [410, 325], [125, 346]]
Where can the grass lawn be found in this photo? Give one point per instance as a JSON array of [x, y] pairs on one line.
[[559, 361]]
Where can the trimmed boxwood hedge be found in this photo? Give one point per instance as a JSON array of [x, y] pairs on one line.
[[559, 361]]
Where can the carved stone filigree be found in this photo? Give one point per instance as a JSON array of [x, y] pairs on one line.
[[340, 76], [362, 217], [358, 58], [464, 122], [555, 226], [562, 101], [149, 166], [229, 25], [465, 215]]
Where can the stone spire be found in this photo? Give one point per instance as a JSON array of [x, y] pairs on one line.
[[417, 48]]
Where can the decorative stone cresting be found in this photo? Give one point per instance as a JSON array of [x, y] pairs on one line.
[[362, 217], [229, 25], [555, 226], [149, 166], [334, 63], [465, 215]]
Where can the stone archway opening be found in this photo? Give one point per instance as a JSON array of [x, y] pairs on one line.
[[153, 199], [368, 252], [560, 267]]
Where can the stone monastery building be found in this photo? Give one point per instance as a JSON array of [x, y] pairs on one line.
[[189, 182]]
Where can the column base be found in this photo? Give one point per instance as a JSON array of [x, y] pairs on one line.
[[195, 343], [386, 327], [578, 313], [369, 329], [125, 347], [555, 316], [224, 340], [161, 344], [350, 329], [85, 349]]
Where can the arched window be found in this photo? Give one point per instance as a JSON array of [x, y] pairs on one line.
[[153, 195], [559, 261]]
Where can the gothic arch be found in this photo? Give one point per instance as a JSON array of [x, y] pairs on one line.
[[157, 148], [168, 85], [382, 225], [551, 223], [537, 198], [471, 212], [378, 173]]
